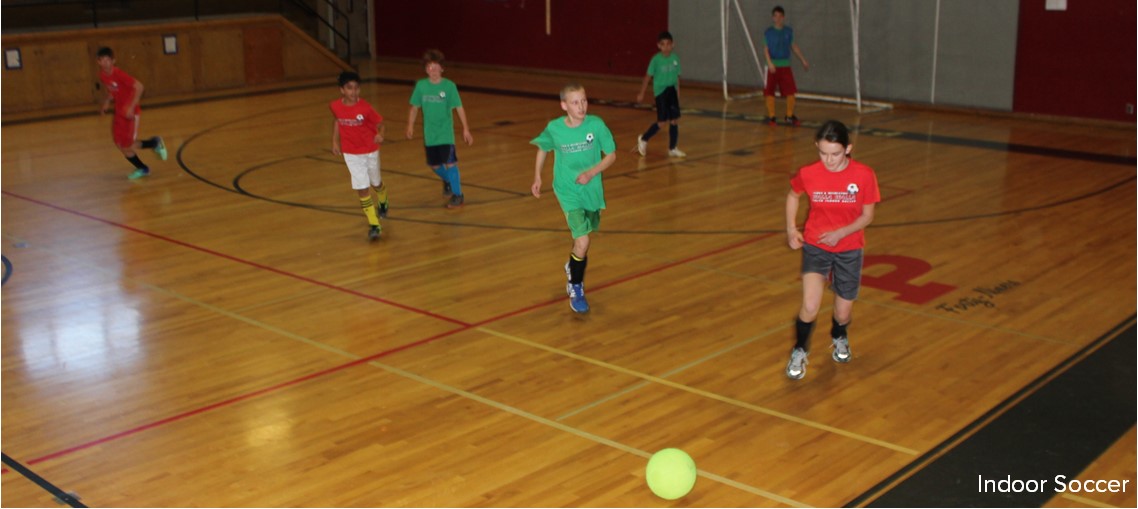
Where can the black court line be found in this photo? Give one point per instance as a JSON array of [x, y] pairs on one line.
[[1054, 426], [7, 269], [60, 495]]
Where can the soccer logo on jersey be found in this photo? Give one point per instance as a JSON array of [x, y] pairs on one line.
[[852, 189], [443, 94], [589, 138], [359, 117]]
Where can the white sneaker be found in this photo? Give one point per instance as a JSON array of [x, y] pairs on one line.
[[796, 368], [676, 152], [641, 146]]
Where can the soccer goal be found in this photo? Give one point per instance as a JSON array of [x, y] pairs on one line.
[[746, 80]]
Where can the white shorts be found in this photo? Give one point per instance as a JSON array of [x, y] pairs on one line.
[[364, 169]]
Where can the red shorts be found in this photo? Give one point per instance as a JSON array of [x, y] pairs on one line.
[[124, 130], [782, 80]]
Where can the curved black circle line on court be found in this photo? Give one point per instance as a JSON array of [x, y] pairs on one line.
[[7, 269], [237, 189]]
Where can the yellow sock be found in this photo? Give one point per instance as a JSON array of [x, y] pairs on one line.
[[369, 211], [381, 193], [790, 105], [770, 106]]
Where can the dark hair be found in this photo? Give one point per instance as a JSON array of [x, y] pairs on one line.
[[105, 52], [833, 132], [348, 76], [664, 36], [778, 9], [433, 56]]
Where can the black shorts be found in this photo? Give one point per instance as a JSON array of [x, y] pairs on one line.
[[843, 269], [438, 155], [668, 105]]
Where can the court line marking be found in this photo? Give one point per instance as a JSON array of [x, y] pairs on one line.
[[700, 392], [243, 261], [357, 360]]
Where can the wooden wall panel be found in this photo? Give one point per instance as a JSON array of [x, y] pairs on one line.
[[263, 54], [302, 62], [219, 59], [60, 71]]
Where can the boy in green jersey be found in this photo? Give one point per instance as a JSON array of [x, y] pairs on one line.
[[437, 96], [664, 73], [584, 148]]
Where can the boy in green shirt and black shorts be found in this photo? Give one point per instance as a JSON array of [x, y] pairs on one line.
[[437, 96], [584, 147]]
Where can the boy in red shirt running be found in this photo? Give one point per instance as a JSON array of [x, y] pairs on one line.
[[357, 131], [125, 91], [843, 194]]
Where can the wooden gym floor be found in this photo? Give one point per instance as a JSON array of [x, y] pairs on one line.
[[223, 334]]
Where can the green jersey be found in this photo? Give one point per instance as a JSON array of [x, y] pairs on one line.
[[665, 71], [437, 100], [577, 150]]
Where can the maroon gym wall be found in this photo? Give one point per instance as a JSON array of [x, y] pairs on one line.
[[593, 36], [1079, 62]]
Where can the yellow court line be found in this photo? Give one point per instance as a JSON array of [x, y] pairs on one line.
[[439, 385], [578, 432], [1086, 501], [705, 394]]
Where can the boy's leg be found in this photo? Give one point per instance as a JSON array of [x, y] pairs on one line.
[[789, 89], [359, 168], [369, 209], [581, 223], [124, 132]]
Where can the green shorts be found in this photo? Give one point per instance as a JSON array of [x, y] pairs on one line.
[[583, 222]]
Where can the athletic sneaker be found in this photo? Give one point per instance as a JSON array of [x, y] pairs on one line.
[[139, 173], [641, 146], [793, 120], [446, 189], [456, 201], [796, 368], [373, 233], [676, 152], [160, 148], [841, 351], [577, 300], [381, 209], [770, 121]]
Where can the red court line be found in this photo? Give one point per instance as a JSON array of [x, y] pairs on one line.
[[239, 260], [364, 360]]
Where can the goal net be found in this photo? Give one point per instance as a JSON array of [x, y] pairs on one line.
[[744, 66]]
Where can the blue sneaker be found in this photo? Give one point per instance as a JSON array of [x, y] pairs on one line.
[[137, 174], [577, 297], [160, 148]]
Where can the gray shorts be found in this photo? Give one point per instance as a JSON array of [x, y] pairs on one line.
[[842, 269]]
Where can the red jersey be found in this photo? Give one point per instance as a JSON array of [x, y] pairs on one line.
[[121, 87], [358, 124], [836, 200]]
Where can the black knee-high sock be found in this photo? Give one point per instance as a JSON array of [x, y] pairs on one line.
[[151, 143], [137, 162], [802, 332], [837, 330], [650, 132], [577, 269], [673, 136]]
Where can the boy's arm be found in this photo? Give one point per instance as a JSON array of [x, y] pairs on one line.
[[107, 98], [336, 136], [411, 121], [793, 237], [770, 64], [379, 134], [643, 88], [539, 164], [138, 88], [605, 163], [466, 136], [794, 46]]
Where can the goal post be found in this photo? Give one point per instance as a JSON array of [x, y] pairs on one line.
[[756, 71]]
